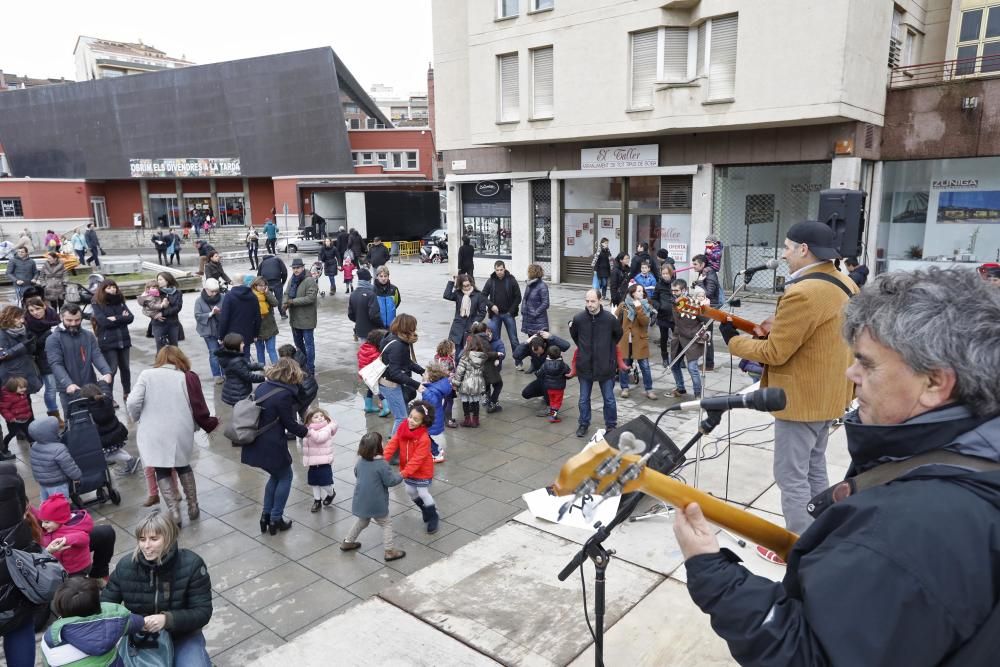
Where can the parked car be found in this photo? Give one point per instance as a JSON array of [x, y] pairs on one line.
[[297, 243], [438, 236]]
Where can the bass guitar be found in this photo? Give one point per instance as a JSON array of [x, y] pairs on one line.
[[586, 468], [688, 307]]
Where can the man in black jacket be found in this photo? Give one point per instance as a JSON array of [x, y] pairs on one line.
[[708, 280], [642, 255], [362, 307], [900, 570], [378, 255], [503, 296], [596, 333], [342, 243], [274, 271], [73, 354], [535, 351], [466, 252]]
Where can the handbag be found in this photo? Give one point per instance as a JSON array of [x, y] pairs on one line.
[[36, 575], [147, 649], [374, 371]]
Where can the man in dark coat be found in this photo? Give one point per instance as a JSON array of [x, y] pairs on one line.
[[355, 244], [856, 272], [596, 333], [342, 240], [708, 280], [503, 297], [73, 355], [642, 255], [205, 250], [240, 313], [362, 307], [535, 351], [94, 244], [901, 570], [378, 254], [274, 271], [466, 252]]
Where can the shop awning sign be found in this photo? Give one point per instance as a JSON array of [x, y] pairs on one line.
[[186, 167], [620, 157]]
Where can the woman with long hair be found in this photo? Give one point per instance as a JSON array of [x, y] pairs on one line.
[[16, 355], [470, 307], [161, 405], [166, 323], [268, 331], [113, 318], [397, 385], [39, 319]]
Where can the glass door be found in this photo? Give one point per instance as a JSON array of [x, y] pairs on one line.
[[164, 211], [231, 210], [99, 208]]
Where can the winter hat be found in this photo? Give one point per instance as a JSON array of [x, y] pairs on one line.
[[364, 274], [248, 278], [55, 508], [212, 284], [297, 262]]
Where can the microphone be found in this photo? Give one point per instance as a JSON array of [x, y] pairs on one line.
[[764, 400], [770, 265]]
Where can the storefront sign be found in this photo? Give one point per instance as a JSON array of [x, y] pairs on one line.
[[190, 167], [620, 157], [457, 165], [487, 188], [956, 183], [678, 251]]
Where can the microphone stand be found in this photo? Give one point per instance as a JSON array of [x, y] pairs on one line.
[[594, 549]]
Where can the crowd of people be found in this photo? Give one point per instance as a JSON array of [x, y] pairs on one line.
[[44, 347]]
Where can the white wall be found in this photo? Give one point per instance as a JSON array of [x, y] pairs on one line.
[[357, 216]]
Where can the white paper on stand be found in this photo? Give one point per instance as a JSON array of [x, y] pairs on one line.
[[546, 507]]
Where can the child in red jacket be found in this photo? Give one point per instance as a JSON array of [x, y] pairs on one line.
[[15, 406], [66, 534], [416, 464], [367, 353]]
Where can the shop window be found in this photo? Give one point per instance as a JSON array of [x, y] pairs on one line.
[[486, 217], [510, 94], [10, 207], [542, 93], [541, 204]]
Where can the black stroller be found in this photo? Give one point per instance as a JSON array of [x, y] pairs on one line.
[[83, 296], [84, 445]]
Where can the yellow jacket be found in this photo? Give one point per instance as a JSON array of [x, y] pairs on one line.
[[805, 353]]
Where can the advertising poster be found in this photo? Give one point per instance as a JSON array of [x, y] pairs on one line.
[[979, 207]]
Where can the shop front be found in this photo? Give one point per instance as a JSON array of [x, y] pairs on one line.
[[486, 211], [944, 212]]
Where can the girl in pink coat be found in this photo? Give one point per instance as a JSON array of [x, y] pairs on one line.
[[317, 455]]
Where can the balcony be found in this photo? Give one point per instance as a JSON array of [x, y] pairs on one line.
[[961, 69]]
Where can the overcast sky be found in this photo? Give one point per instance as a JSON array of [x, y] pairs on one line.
[[388, 41]]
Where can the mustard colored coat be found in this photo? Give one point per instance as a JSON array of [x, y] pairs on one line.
[[805, 353]]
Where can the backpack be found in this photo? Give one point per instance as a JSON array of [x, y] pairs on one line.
[[36, 575], [244, 427]]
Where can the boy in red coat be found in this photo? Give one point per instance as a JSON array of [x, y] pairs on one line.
[[15, 406], [66, 534], [416, 464]]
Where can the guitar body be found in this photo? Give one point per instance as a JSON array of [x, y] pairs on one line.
[[688, 307], [583, 466]]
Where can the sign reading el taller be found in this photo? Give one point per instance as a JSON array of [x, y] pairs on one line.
[[620, 157], [187, 167]]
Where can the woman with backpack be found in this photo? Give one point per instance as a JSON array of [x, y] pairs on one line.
[[269, 450]]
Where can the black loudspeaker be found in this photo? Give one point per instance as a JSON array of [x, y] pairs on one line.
[[844, 212], [666, 459]]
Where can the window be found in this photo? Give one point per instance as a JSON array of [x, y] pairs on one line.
[[979, 39], [896, 39], [541, 5], [411, 159], [100, 210], [722, 59], [643, 68], [382, 159], [351, 108], [506, 9], [510, 96], [674, 63], [702, 40], [911, 47], [542, 96], [11, 208], [355, 123]]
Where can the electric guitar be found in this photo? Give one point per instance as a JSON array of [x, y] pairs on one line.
[[688, 307], [584, 470]]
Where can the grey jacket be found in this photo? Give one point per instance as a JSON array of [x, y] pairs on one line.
[[371, 493], [21, 269], [51, 463], [73, 357], [302, 309], [207, 323]]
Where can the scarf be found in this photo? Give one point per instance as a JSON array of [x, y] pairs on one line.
[[265, 308], [16, 331], [630, 308], [168, 290], [114, 299], [211, 300], [364, 283], [466, 308], [293, 284]]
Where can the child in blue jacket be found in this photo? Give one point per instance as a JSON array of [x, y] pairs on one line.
[[88, 632], [437, 390]]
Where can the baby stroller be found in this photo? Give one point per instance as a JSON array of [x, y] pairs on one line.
[[83, 296], [84, 445]]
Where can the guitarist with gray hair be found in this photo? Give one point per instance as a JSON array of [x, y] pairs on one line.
[[902, 563]]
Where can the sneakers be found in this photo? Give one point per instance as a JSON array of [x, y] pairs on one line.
[[439, 458], [770, 556], [519, 365], [219, 379], [393, 554], [329, 499], [554, 417], [677, 392], [544, 412], [349, 546], [581, 431], [624, 393], [651, 395], [491, 407], [451, 423]]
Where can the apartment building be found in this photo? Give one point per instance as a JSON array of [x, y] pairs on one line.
[[99, 58]]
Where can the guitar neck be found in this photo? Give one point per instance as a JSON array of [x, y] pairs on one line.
[[743, 325], [739, 521]]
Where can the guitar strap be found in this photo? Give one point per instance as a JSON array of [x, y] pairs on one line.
[[825, 277]]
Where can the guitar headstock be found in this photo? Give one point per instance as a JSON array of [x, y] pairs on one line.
[[687, 307], [596, 469]]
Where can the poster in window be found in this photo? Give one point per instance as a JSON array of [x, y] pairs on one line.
[[977, 207], [759, 209], [579, 232], [911, 206], [586, 226], [570, 240], [607, 222], [618, 232]]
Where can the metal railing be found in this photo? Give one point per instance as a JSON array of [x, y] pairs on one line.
[[946, 70]]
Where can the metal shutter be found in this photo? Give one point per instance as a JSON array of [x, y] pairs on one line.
[[510, 96], [675, 192], [542, 95], [675, 54], [722, 65], [702, 34], [643, 68]]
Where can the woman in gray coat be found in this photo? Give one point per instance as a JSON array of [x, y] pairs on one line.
[[160, 403], [22, 272]]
